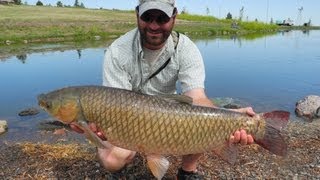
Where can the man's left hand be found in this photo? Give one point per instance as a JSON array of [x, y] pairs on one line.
[[241, 136]]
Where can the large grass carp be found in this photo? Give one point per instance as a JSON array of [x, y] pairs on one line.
[[162, 125]]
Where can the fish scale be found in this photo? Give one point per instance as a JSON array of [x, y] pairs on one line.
[[156, 125]]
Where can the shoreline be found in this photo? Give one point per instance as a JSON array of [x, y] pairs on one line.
[[33, 24], [36, 160]]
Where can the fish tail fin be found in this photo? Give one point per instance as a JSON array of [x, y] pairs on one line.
[[272, 139]]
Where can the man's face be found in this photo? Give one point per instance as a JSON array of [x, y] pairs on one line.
[[155, 27]]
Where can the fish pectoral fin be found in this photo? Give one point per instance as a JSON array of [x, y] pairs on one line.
[[92, 137], [228, 152], [158, 165]]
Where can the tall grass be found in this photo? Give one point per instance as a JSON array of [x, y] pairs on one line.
[[36, 24], [258, 26], [198, 18]]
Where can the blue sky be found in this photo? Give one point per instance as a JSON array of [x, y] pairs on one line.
[[263, 10]]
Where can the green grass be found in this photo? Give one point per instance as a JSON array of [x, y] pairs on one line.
[[198, 18], [32, 23], [52, 24]]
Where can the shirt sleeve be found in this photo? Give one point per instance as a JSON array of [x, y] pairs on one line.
[[191, 71], [114, 73]]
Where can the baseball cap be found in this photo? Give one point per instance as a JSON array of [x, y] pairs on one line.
[[167, 6]]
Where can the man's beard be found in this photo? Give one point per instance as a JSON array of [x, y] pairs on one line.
[[155, 40]]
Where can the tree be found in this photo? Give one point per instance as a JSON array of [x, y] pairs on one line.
[[207, 10], [76, 3], [82, 5], [229, 16], [184, 10], [22, 58], [39, 3], [17, 2], [59, 4]]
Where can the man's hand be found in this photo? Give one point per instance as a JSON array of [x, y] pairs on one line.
[[241, 136], [92, 126]]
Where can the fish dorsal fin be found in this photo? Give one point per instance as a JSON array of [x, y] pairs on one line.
[[92, 136], [158, 165], [175, 98], [228, 152]]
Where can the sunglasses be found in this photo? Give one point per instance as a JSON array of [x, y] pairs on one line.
[[149, 18]]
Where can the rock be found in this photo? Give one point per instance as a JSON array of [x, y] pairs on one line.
[[112, 36], [52, 125], [232, 106], [308, 107], [228, 103], [60, 132], [29, 112], [97, 38], [8, 42], [3, 126]]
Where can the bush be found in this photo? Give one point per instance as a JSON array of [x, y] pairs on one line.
[[17, 2], [39, 3], [59, 4]]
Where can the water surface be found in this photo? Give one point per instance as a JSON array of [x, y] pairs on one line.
[[268, 73]]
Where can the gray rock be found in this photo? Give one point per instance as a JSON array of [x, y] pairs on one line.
[[229, 103], [112, 36], [29, 112], [52, 125], [308, 107], [3, 126], [97, 38], [8, 42]]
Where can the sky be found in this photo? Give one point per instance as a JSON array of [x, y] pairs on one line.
[[263, 10]]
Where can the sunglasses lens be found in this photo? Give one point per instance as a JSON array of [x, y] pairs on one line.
[[162, 19], [148, 18], [145, 17]]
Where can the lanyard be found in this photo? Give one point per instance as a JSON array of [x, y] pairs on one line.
[[175, 36]]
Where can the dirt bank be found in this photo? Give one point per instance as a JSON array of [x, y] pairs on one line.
[[65, 159]]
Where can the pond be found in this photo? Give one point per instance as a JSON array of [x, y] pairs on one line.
[[268, 73]]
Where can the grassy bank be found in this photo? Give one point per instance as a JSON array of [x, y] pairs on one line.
[[43, 24], [25, 24]]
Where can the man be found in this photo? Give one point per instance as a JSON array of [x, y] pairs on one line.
[[151, 59]]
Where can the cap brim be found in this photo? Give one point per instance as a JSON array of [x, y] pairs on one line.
[[166, 8]]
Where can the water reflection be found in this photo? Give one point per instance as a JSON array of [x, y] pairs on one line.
[[13, 50], [79, 53], [297, 35], [22, 58]]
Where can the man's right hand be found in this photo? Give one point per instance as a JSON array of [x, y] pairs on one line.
[[92, 126]]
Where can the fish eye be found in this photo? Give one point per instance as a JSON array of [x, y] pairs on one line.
[[48, 105], [45, 104]]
